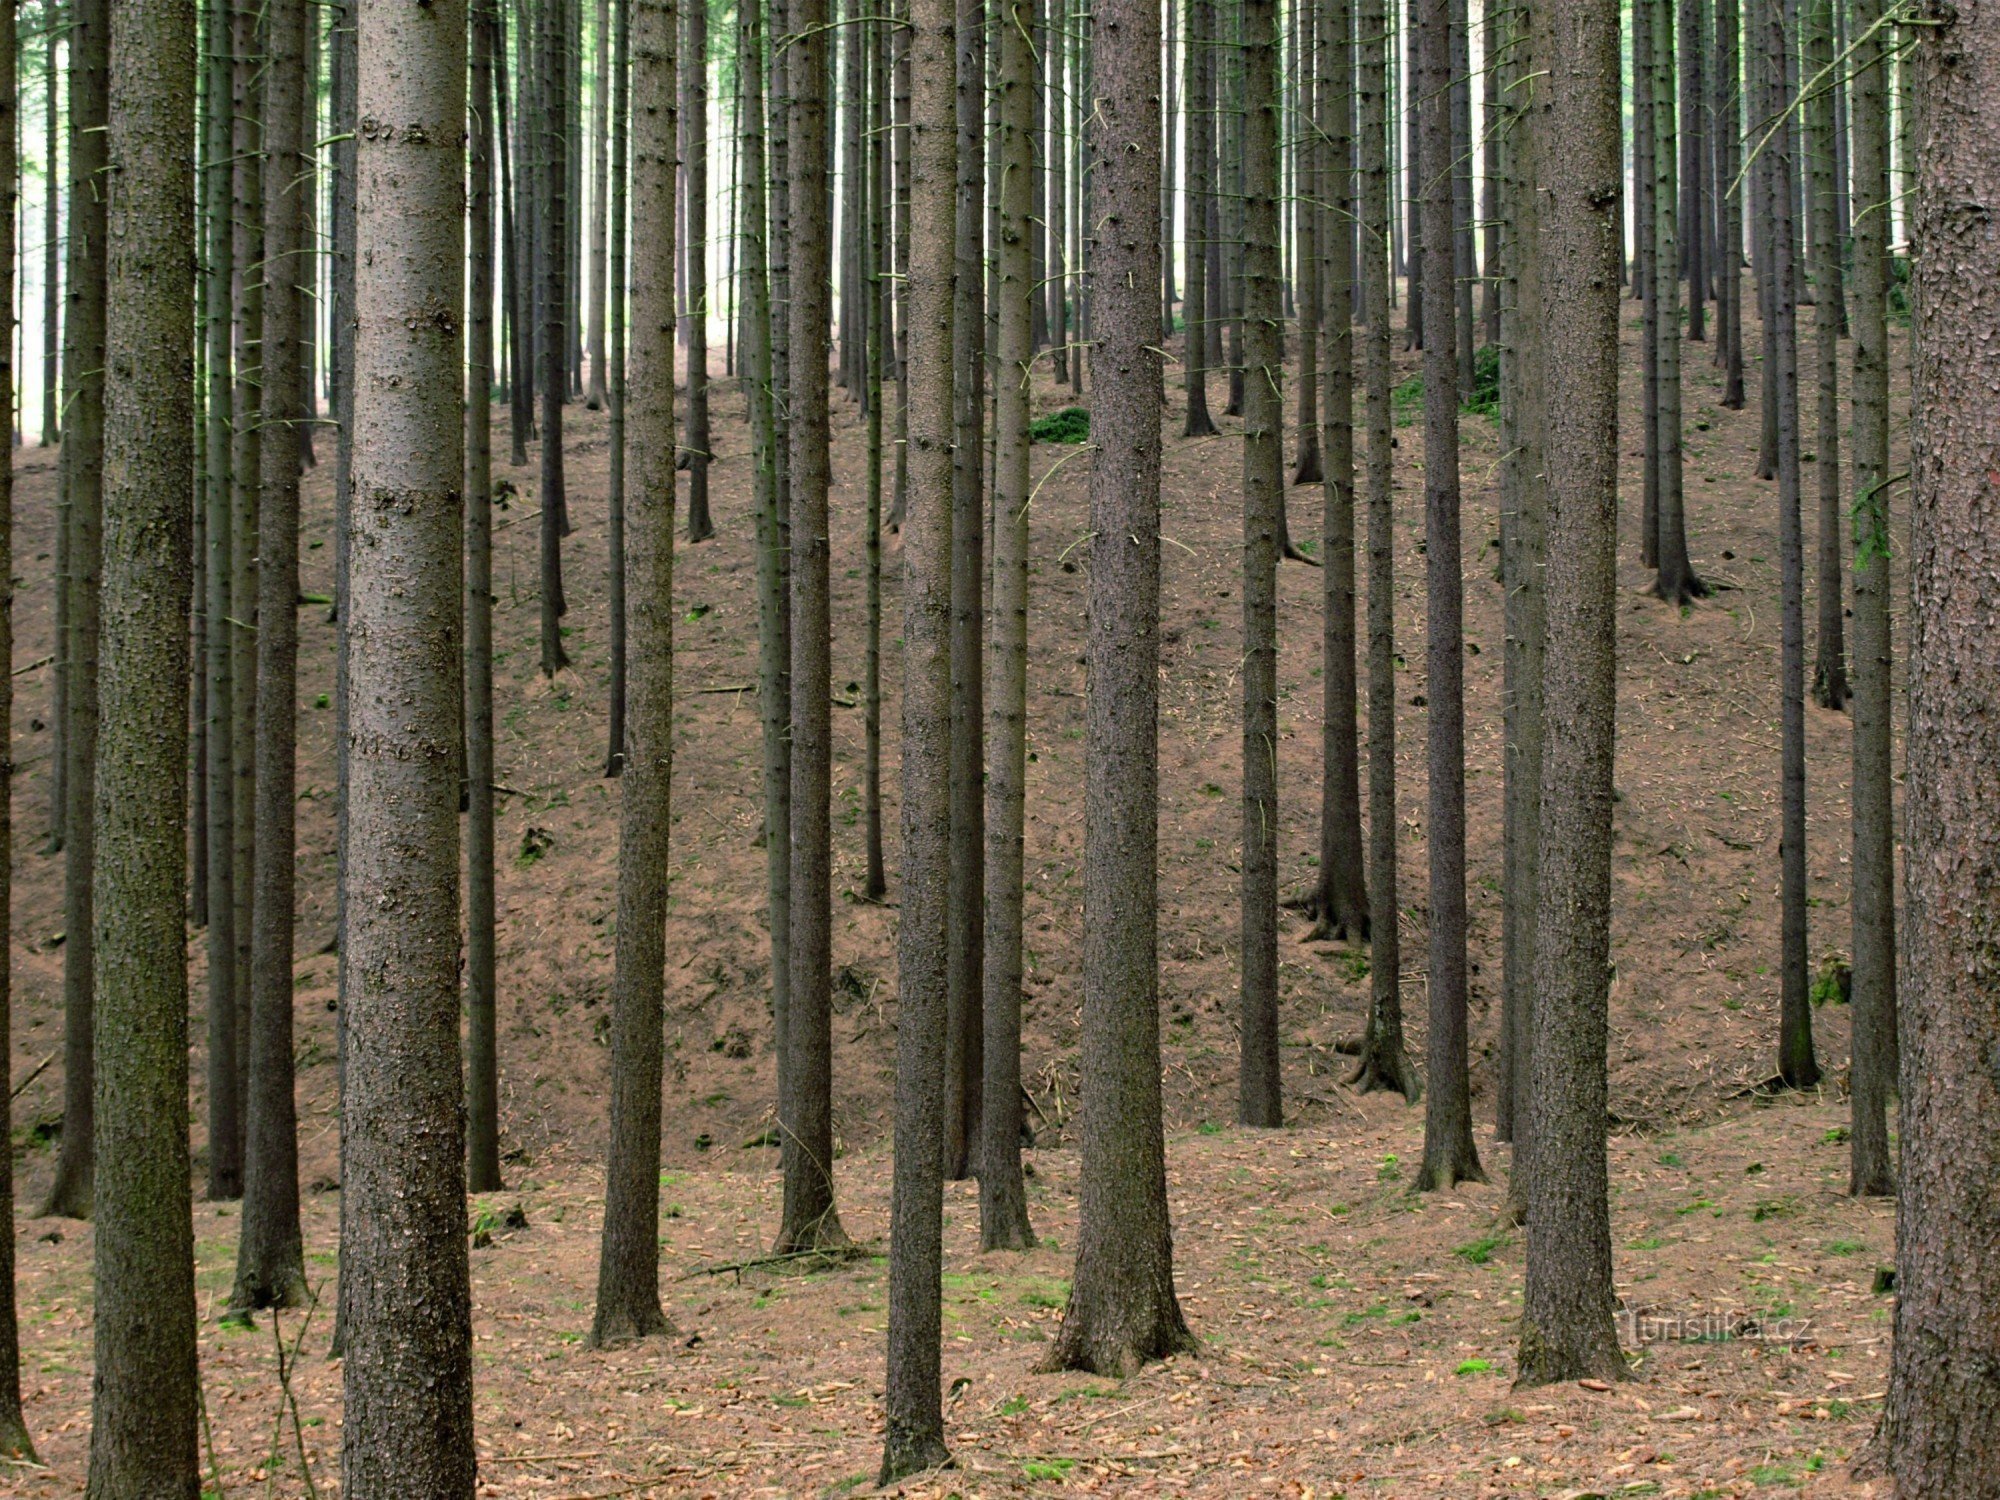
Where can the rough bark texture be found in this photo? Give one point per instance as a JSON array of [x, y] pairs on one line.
[[553, 374], [1383, 1062], [482, 1092], [407, 1417], [1259, 1093], [1003, 1203], [773, 618], [809, 1217], [1797, 1067], [1122, 1309], [270, 1257], [596, 248], [628, 1267], [1727, 272], [83, 490], [913, 1439], [1829, 679], [1449, 1153], [1874, 899], [1341, 898], [614, 499], [1566, 1319], [246, 479], [225, 1131], [14, 1441], [145, 1387], [1942, 1422], [964, 1065], [1675, 581], [1195, 312], [694, 170]]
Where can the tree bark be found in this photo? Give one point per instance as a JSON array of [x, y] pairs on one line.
[[270, 1258], [1340, 900], [1941, 1421], [964, 1030], [1449, 1154], [1566, 1318], [225, 1120], [83, 496], [14, 1439], [810, 1220], [628, 1268], [1874, 898], [1003, 1201], [1676, 581], [482, 1095], [600, 174], [1797, 1067], [694, 176], [554, 385], [407, 1418], [1383, 1062], [914, 1436], [1829, 682], [145, 1390], [246, 464], [1122, 1309], [1259, 1097], [1200, 152]]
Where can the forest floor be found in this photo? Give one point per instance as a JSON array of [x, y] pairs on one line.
[[1343, 1324]]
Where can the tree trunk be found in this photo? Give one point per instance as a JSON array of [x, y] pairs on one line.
[[1797, 1067], [246, 465], [1260, 1091], [1449, 1154], [1524, 568], [225, 1119], [1676, 581], [51, 235], [482, 1094], [14, 1440], [628, 1268], [773, 547], [1874, 898], [1383, 1062], [1566, 1319], [1122, 1309], [914, 1436], [1317, 165], [964, 1030], [1645, 182], [614, 509], [810, 1221], [1729, 138], [1340, 901], [875, 281], [1941, 1420], [555, 336], [1200, 152], [407, 1417], [1829, 684], [145, 1389], [600, 173], [694, 174], [1003, 1203], [83, 491], [270, 1258]]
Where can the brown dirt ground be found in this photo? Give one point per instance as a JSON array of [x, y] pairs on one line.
[[1338, 1317]]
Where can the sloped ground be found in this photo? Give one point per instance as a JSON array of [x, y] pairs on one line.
[[1356, 1338], [1694, 1022]]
